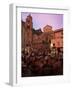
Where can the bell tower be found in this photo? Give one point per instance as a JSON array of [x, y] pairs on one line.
[[28, 31]]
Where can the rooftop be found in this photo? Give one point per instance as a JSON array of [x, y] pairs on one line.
[[58, 30], [38, 31]]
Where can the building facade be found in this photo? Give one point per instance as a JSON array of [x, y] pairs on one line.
[[26, 33], [58, 38], [36, 39]]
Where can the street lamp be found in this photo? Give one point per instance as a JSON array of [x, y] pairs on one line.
[[51, 45]]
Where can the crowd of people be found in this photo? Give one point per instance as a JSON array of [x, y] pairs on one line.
[[41, 63]]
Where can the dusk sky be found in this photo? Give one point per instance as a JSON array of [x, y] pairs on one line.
[[40, 20]]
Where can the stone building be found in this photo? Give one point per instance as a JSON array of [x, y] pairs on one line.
[[48, 34], [58, 38], [36, 39], [26, 39]]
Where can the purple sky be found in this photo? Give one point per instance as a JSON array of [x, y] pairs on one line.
[[41, 19]]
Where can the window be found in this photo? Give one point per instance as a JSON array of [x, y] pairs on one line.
[[61, 33], [58, 44]]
